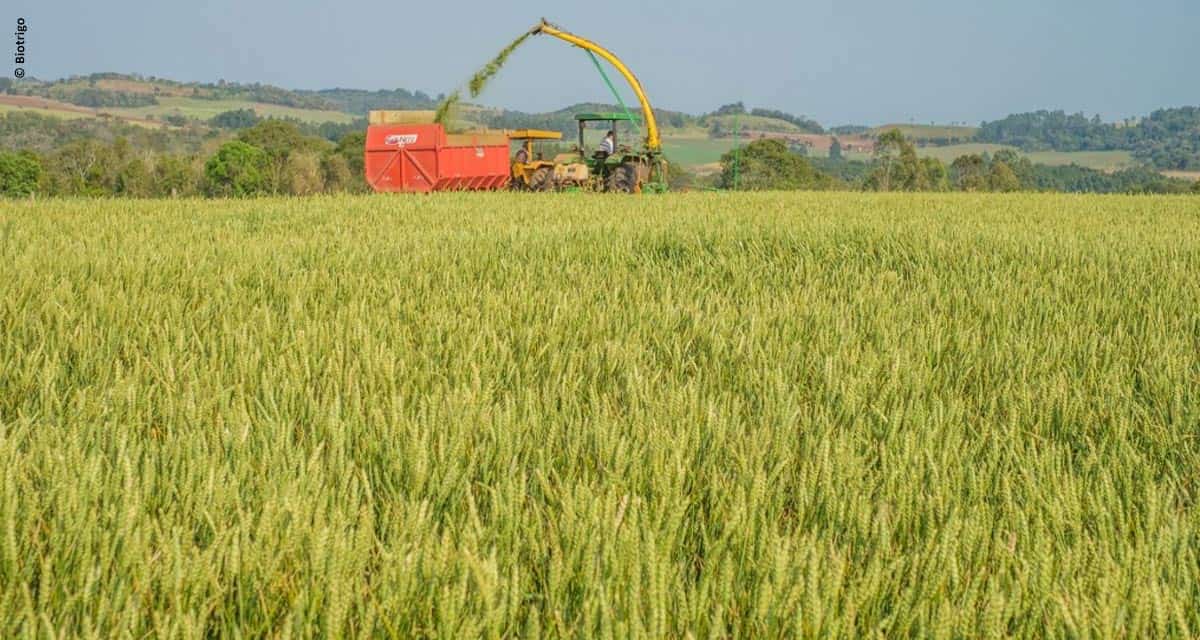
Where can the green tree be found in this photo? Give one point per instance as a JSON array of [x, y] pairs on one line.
[[1020, 165], [79, 168], [933, 175], [730, 109], [767, 164], [175, 176], [20, 173], [1001, 178], [835, 149], [970, 173], [351, 147], [336, 175], [1196, 187], [235, 119], [899, 169], [304, 175], [279, 139], [133, 178], [237, 169], [888, 149]]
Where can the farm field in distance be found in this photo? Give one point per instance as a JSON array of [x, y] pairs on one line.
[[703, 414], [204, 109], [67, 115], [928, 131], [1101, 160], [692, 151], [199, 108]]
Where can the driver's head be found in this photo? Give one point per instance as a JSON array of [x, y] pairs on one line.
[[610, 134]]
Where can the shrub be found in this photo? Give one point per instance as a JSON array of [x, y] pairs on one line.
[[237, 169], [769, 165], [335, 172], [304, 176], [235, 119], [19, 173]]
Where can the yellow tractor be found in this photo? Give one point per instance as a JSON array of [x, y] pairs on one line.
[[532, 172]]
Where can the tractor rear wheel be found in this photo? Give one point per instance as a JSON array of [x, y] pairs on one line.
[[542, 179], [623, 179]]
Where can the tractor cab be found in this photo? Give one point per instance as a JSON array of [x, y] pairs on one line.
[[601, 164]]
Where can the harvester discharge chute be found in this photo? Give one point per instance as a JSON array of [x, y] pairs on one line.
[[627, 170]]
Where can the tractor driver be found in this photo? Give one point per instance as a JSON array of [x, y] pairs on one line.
[[608, 145]]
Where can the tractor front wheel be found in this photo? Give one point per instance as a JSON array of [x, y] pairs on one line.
[[623, 179]]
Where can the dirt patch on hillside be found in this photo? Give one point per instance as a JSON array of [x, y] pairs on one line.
[[35, 102], [1186, 175], [46, 104]]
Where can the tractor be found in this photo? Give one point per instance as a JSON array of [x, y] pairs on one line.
[[628, 170], [532, 172], [623, 171]]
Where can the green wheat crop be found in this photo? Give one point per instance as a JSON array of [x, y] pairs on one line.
[[507, 415]]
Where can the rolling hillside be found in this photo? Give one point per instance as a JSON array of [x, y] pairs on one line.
[[154, 101], [689, 140], [1101, 160], [930, 133]]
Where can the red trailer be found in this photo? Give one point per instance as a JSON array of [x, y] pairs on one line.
[[423, 158]]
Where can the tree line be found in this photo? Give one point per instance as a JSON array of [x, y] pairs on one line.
[[270, 157], [241, 155], [768, 164], [1166, 139], [85, 91]]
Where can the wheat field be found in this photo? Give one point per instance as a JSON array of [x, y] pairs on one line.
[[527, 415]]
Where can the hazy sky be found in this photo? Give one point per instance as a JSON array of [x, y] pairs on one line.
[[853, 61]]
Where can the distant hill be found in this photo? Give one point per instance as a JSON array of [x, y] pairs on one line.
[[931, 134], [564, 119], [359, 101], [1167, 138], [150, 100]]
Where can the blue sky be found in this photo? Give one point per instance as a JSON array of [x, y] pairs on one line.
[[863, 61]]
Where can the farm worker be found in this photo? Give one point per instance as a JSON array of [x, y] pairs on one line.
[[608, 144], [522, 155]]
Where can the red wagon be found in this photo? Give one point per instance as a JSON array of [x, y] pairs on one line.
[[423, 158]]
